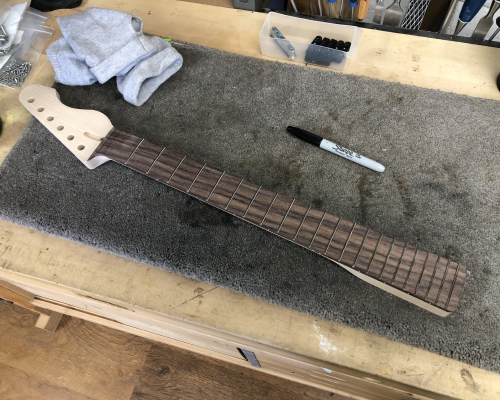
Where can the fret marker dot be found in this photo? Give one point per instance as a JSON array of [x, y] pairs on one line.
[[40, 109], [51, 118], [71, 137], [81, 147], [31, 100], [60, 128]]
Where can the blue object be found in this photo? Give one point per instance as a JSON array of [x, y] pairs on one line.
[[470, 9], [331, 1], [355, 3]]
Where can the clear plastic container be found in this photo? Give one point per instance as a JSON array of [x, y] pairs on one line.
[[299, 34]]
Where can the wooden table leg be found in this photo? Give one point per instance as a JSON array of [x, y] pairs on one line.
[[49, 322]]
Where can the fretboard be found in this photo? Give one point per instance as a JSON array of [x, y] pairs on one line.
[[428, 277]]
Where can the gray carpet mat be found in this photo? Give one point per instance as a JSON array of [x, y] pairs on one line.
[[440, 190]]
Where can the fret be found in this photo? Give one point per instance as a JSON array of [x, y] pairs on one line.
[[447, 285], [381, 256], [399, 265], [253, 198], [325, 233], [457, 288], [437, 280], [134, 151], [360, 248], [184, 174], [317, 229], [142, 157], [436, 269], [453, 285], [353, 245], [224, 190], [260, 205], [156, 159], [204, 184], [339, 239], [119, 146], [242, 198], [374, 253], [443, 281], [237, 187], [393, 262], [175, 170], [167, 162], [367, 251], [427, 273], [301, 222], [267, 212], [287, 211], [333, 234], [196, 177], [293, 219], [347, 242], [416, 271], [218, 180], [386, 260], [309, 227], [405, 283], [276, 214]]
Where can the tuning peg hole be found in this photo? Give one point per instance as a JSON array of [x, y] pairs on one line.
[[31, 100], [40, 109], [51, 118], [81, 147], [60, 128], [70, 137]]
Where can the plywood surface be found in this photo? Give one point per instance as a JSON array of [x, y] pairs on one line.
[[26, 254]]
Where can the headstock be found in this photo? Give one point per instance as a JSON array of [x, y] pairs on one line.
[[81, 131]]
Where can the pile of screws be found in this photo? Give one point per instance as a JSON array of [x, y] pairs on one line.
[[4, 37], [15, 72], [8, 51]]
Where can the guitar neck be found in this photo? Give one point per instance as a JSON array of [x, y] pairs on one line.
[[426, 279]]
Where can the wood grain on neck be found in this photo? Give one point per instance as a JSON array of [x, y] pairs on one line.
[[428, 280]]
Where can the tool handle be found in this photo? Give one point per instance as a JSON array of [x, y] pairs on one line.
[[331, 1], [353, 3], [363, 9], [470, 10]]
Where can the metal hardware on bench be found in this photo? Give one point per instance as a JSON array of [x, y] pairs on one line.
[[15, 72], [4, 37], [283, 44], [6, 52], [250, 356]]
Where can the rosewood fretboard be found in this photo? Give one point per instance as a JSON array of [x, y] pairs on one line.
[[428, 277]]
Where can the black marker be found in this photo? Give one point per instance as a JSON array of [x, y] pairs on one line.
[[335, 148]]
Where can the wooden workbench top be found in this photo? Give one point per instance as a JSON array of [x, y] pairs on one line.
[[30, 256]]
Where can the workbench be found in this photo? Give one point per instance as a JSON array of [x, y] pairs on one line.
[[53, 276]]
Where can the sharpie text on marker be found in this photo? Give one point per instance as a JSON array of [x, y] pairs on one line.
[[335, 149]]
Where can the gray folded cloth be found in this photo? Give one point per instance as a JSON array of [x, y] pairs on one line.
[[142, 80], [111, 42], [69, 68], [98, 44]]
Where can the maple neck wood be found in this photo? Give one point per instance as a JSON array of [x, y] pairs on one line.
[[428, 280]]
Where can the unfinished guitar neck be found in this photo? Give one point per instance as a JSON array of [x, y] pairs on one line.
[[425, 279], [422, 278]]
